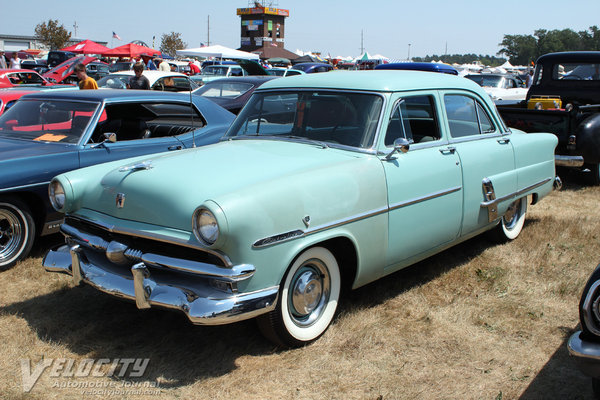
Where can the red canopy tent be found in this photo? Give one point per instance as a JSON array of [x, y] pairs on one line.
[[87, 47], [131, 50]]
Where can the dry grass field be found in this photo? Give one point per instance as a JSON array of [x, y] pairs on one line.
[[479, 321]]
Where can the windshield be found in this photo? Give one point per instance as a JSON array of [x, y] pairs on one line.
[[344, 118], [215, 70], [229, 90], [25, 78], [486, 80], [114, 81], [47, 120]]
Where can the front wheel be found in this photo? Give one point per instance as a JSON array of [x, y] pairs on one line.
[[308, 299], [17, 231], [512, 222]]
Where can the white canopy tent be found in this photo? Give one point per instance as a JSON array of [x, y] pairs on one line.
[[218, 51]]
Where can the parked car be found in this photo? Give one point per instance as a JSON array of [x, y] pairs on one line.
[[310, 68], [420, 66], [21, 78], [226, 70], [584, 345], [180, 66], [38, 65], [277, 71], [56, 57], [500, 86], [564, 100], [159, 80], [44, 134], [65, 71], [120, 66], [97, 70], [232, 93], [9, 96], [322, 180]]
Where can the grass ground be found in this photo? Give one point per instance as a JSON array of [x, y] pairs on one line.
[[479, 321]]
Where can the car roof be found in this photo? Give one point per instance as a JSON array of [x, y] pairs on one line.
[[109, 95], [380, 81], [565, 56], [152, 75], [248, 78], [420, 66]]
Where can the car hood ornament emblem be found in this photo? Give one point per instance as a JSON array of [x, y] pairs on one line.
[[120, 200], [137, 166]]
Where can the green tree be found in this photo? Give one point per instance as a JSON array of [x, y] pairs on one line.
[[171, 42], [52, 34], [590, 39], [519, 49]]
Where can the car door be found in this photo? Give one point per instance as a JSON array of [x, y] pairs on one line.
[[424, 184], [486, 154]]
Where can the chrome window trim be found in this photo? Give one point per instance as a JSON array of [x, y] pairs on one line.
[[153, 236], [299, 233]]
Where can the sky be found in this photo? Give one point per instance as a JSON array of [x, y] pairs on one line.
[[395, 29]]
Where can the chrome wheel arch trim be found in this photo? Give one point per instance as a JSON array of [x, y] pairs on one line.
[[299, 233], [491, 202]]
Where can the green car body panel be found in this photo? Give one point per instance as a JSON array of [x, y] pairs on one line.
[[275, 198]]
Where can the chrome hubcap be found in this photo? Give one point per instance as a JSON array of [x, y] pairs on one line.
[[512, 214], [309, 292], [11, 231]]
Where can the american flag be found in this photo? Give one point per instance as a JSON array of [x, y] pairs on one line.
[[115, 36]]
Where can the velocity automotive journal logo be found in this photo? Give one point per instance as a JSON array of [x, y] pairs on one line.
[[122, 368]]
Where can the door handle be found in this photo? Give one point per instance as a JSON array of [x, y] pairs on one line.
[[176, 147], [504, 140], [448, 150]]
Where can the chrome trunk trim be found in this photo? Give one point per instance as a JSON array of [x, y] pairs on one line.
[[568, 161]]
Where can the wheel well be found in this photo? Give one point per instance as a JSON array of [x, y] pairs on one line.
[[345, 253], [35, 204]]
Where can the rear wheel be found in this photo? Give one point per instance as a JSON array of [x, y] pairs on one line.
[[308, 299], [512, 222], [17, 231]]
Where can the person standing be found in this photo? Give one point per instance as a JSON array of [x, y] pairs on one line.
[[2, 60], [138, 81], [193, 68], [529, 79], [164, 66], [85, 82], [15, 61]]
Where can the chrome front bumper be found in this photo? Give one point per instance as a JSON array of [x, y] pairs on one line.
[[586, 355], [194, 288], [568, 161]]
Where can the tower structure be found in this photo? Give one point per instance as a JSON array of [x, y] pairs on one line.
[[263, 30]]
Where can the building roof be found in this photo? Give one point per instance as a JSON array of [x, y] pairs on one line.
[[269, 51]]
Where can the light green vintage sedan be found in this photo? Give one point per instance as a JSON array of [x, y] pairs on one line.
[[322, 181]]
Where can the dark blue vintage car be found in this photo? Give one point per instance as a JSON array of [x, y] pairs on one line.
[[45, 134], [311, 67], [420, 66]]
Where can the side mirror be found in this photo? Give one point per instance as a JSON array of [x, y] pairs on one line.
[[401, 145], [110, 137]]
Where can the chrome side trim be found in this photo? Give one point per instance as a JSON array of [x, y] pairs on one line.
[[153, 236], [24, 186], [424, 198], [284, 237], [492, 203]]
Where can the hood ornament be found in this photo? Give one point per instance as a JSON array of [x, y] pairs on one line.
[[120, 200], [306, 221], [137, 167]]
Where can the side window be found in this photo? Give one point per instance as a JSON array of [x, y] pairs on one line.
[[413, 119], [466, 117]]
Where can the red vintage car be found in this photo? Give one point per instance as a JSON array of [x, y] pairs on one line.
[[22, 77]]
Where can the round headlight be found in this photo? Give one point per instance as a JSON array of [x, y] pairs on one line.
[[57, 195], [206, 227]]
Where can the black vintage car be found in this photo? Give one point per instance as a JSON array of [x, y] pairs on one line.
[[584, 345], [564, 99]]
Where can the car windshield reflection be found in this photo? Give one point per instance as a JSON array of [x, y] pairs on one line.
[[344, 118], [47, 121]]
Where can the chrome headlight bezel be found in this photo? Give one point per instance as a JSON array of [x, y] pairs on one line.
[[56, 192], [205, 226]]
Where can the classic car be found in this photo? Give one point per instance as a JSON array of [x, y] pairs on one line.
[[232, 93], [159, 80], [226, 69], [21, 77], [310, 68], [56, 57], [8, 97], [322, 181], [278, 71], [120, 66], [420, 66], [564, 99], [500, 86], [97, 70], [46, 133], [584, 345], [65, 71]]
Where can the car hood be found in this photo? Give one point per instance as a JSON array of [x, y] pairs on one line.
[[239, 176], [65, 69], [11, 149]]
